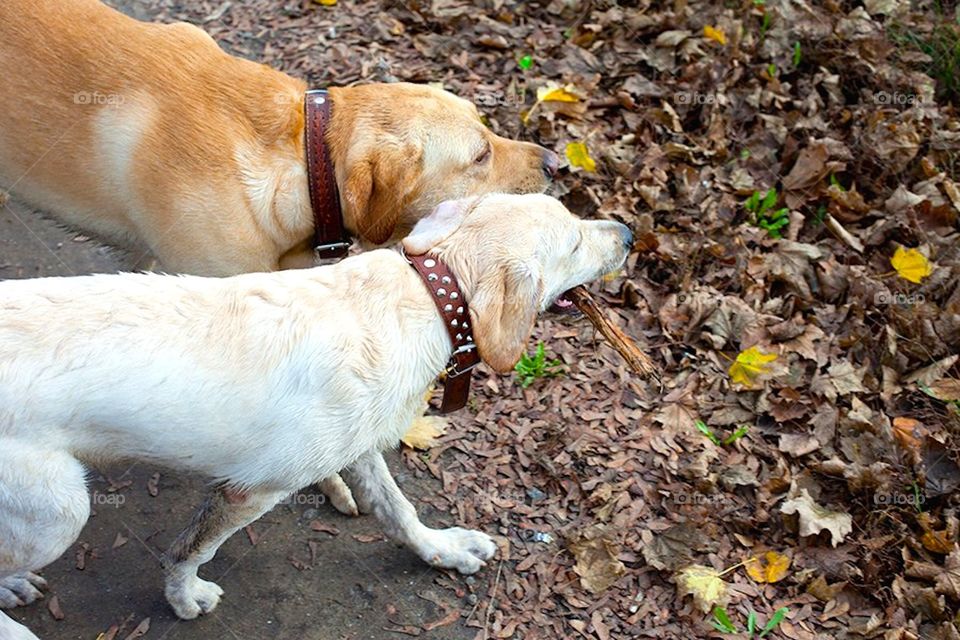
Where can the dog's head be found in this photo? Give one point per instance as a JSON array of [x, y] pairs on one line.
[[401, 149], [515, 256]]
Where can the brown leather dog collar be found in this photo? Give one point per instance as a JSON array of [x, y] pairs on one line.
[[330, 239], [446, 294]]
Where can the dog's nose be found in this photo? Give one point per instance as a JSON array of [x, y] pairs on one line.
[[626, 236], [551, 164]]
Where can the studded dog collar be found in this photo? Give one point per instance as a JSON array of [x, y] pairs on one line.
[[446, 294], [330, 240]]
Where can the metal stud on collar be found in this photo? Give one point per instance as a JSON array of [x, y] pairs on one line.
[[429, 263], [442, 292]]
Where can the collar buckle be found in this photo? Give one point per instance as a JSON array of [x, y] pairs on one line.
[[331, 250]]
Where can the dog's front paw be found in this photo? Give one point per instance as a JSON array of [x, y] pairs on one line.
[[192, 596], [461, 549], [20, 589]]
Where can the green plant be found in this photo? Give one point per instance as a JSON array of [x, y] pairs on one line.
[[722, 623], [715, 439], [942, 46], [772, 71], [533, 368], [764, 215], [797, 55]]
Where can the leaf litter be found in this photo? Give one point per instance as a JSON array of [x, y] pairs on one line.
[[850, 465]]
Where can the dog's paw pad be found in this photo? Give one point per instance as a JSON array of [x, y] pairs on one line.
[[193, 597], [20, 589], [461, 549]]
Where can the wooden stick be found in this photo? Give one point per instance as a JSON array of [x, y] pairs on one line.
[[638, 361]]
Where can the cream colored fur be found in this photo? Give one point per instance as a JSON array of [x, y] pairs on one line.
[[265, 383]]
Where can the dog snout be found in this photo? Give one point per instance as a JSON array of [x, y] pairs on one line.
[[551, 164], [626, 236]]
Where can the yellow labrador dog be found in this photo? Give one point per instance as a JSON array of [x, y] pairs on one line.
[[151, 137], [266, 383]]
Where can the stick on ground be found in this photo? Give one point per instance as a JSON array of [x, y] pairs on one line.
[[620, 341]]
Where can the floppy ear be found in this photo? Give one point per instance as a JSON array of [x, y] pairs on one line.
[[503, 311], [437, 227], [378, 189]]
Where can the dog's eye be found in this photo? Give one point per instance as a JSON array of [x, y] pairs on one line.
[[483, 157]]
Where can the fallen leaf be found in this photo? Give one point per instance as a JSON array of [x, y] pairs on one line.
[[53, 606], [579, 156], [366, 538], [704, 584], [140, 631], [556, 94], [814, 518], [326, 3], [119, 541], [946, 389], [323, 527], [750, 365], [446, 620], [770, 567], [909, 434], [911, 265], [715, 34], [597, 563], [423, 432], [153, 485]]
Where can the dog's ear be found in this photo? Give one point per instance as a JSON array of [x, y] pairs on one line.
[[378, 189], [437, 227], [503, 310]]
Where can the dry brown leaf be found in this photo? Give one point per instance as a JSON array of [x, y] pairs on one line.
[[815, 518], [596, 559]]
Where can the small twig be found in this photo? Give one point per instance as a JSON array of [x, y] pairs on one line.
[[636, 359], [493, 595]]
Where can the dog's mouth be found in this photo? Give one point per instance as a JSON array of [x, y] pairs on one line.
[[563, 305]]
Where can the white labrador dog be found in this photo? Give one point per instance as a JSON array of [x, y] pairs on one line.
[[266, 383]]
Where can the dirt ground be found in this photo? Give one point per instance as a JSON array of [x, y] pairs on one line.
[[295, 582]]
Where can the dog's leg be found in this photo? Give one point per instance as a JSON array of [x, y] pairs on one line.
[[339, 495], [43, 507], [220, 516], [12, 630], [454, 548]]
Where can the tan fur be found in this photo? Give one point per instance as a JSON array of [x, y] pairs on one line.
[[152, 137]]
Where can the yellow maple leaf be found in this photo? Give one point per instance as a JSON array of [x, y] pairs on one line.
[[424, 432], [750, 365], [326, 3], [579, 156], [704, 584], [911, 264], [556, 94], [715, 34], [770, 567]]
